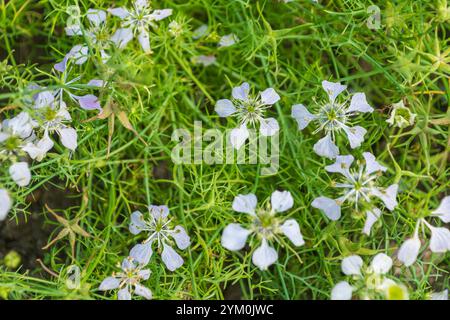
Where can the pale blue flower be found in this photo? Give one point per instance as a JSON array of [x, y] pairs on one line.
[[157, 226]]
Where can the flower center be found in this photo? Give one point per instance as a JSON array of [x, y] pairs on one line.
[[12, 143], [265, 224]]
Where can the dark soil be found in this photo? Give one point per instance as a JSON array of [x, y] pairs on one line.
[[28, 234]]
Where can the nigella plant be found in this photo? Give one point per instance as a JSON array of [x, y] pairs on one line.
[[358, 187], [157, 225], [249, 110], [439, 239], [135, 23], [266, 225], [333, 117], [96, 36], [368, 282], [128, 281]]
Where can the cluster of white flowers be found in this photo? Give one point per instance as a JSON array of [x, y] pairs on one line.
[[31, 133], [368, 282], [359, 187], [158, 227], [265, 225]]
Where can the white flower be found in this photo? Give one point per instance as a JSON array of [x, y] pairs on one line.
[[333, 117], [371, 280], [136, 22], [5, 204], [401, 116], [95, 36], [228, 40], [52, 116], [358, 187], [20, 173], [439, 239], [128, 281], [249, 110], [15, 133], [157, 225], [265, 225]]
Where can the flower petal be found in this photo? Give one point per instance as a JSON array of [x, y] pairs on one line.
[[143, 291], [325, 147], [159, 212], [371, 163], [5, 204], [443, 295], [269, 127], [245, 203], [124, 294], [342, 291], [238, 136], [144, 40], [329, 206], [144, 274], [381, 263], [137, 223], [68, 138], [281, 201], [122, 13], [359, 103], [234, 237], [342, 165], [351, 265], [225, 108], [39, 150], [440, 239], [89, 102], [409, 251], [96, 16], [291, 229], [20, 173], [79, 54], [443, 211], [73, 30], [160, 14], [181, 237], [333, 89], [269, 96], [142, 252], [171, 259], [122, 36], [109, 283], [388, 196], [264, 256], [241, 92], [302, 115], [61, 66], [372, 216], [355, 135]]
